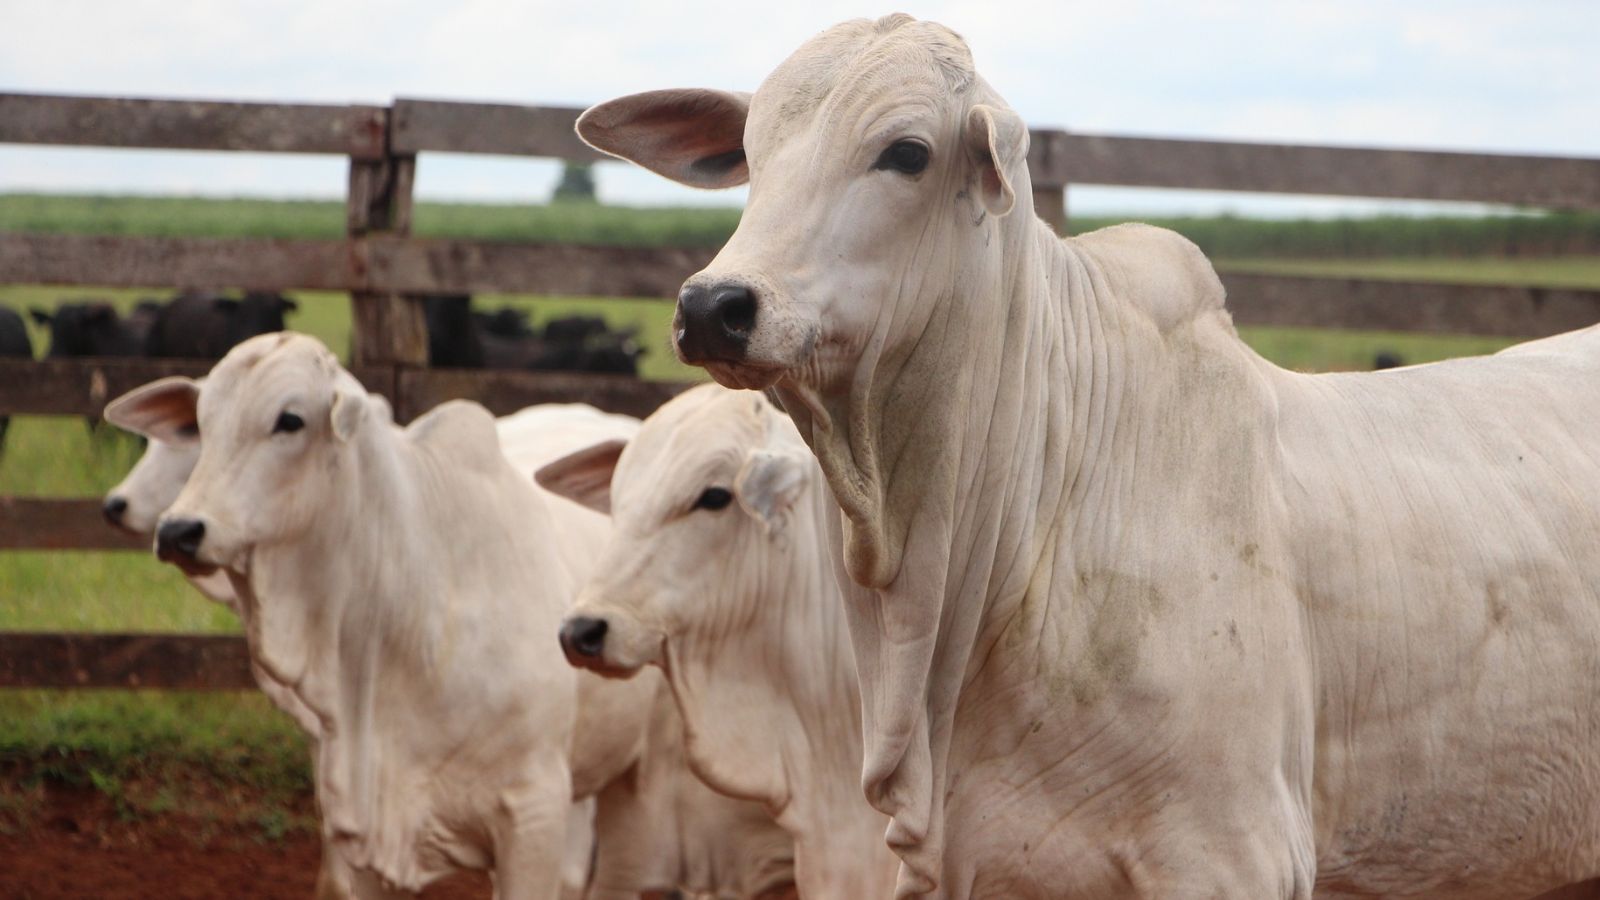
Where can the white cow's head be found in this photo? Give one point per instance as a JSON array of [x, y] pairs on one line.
[[280, 418], [879, 164], [164, 413], [701, 500]]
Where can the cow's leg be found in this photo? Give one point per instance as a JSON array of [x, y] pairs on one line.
[[577, 861], [530, 837], [366, 885], [334, 877]]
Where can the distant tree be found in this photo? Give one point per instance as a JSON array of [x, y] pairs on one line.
[[576, 184]]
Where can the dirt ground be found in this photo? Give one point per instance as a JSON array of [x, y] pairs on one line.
[[78, 847]]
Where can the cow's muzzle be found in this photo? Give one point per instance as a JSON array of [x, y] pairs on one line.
[[178, 541], [714, 322], [114, 509], [583, 640]]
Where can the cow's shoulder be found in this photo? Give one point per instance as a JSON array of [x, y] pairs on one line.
[[460, 431], [1157, 270]]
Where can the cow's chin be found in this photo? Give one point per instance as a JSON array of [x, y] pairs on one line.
[[603, 667], [743, 376], [194, 568]]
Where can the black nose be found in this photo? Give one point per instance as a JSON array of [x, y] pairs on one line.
[[180, 538], [113, 509], [583, 638], [714, 323]]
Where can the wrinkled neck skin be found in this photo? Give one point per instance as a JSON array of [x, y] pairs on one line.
[[774, 716], [377, 626], [1020, 362]]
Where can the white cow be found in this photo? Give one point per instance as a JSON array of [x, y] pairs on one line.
[[1153, 617], [405, 584], [738, 602], [529, 438]]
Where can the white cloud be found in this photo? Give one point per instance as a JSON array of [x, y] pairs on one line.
[[1456, 74]]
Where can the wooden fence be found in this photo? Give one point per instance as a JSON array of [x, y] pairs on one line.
[[384, 269]]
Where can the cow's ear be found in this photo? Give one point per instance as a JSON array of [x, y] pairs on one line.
[[348, 410], [770, 483], [40, 316], [584, 476], [163, 410], [998, 140], [693, 136], [287, 305]]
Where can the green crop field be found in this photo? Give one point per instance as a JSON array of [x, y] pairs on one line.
[[116, 739]]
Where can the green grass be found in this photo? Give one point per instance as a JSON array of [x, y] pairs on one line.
[[229, 757], [1533, 234], [578, 223], [1557, 272], [1225, 236]]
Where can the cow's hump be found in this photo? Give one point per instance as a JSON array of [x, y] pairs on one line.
[[461, 431], [1157, 270]]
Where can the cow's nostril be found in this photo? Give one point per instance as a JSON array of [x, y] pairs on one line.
[[180, 537], [114, 509], [715, 323], [736, 308], [584, 637]]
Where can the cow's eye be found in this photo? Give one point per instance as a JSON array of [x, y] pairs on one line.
[[288, 423], [713, 498], [908, 156]]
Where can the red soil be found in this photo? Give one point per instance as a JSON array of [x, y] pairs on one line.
[[78, 847]]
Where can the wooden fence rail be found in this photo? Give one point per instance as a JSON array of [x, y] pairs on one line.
[[173, 661], [1056, 158], [386, 271]]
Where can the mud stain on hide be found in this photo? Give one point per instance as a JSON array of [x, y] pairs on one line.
[[1119, 607]]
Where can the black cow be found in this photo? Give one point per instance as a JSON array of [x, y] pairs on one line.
[[84, 328], [506, 321], [1387, 359], [198, 325], [14, 343], [586, 344], [460, 337], [454, 339]]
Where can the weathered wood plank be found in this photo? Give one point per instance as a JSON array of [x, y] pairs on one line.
[[82, 387], [437, 125], [1058, 157], [1408, 306], [167, 661], [41, 523], [380, 263], [192, 125], [427, 266], [389, 328], [506, 391], [250, 263], [1050, 204]]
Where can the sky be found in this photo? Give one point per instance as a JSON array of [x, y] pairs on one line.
[[1451, 74]]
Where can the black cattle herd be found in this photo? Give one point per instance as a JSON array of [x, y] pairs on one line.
[[205, 325]]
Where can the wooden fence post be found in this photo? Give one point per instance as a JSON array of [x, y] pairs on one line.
[[388, 328], [1050, 204]]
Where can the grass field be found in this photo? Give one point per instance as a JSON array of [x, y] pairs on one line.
[[1221, 237], [112, 739]]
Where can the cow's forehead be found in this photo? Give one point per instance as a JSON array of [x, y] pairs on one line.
[[705, 432], [858, 65], [265, 368]]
